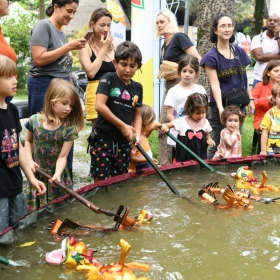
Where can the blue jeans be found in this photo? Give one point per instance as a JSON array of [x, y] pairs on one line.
[[255, 82], [37, 88]]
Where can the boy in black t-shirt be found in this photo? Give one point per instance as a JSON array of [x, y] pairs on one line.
[[12, 201], [118, 103]]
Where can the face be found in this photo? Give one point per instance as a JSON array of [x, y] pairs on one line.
[[102, 26], [188, 74], [63, 106], [199, 114], [161, 24], [274, 75], [8, 85], [4, 8], [225, 28], [66, 13], [126, 69], [272, 22], [232, 123]]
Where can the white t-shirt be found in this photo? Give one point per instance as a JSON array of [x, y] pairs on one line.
[[268, 46], [176, 98]]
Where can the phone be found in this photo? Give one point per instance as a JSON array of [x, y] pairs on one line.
[[88, 35]]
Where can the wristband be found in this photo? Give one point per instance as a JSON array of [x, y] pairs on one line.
[[277, 38], [252, 99]]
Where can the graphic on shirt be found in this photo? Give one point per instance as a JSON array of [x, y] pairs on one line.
[[125, 95], [115, 92], [181, 113], [9, 148], [275, 148], [134, 100]]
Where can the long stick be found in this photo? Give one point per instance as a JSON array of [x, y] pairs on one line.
[[83, 200], [157, 170], [191, 152]]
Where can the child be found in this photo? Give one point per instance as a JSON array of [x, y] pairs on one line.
[[193, 129], [12, 202], [188, 69], [270, 125], [230, 138], [50, 136], [137, 160], [118, 103]]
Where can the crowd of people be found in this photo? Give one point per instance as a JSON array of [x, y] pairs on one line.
[[209, 125]]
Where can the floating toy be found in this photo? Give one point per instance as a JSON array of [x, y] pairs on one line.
[[76, 255], [69, 227], [245, 179], [232, 198]]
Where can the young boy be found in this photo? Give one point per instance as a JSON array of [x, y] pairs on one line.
[[12, 201], [270, 125], [118, 103]]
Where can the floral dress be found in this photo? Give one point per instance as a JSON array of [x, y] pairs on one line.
[[46, 149]]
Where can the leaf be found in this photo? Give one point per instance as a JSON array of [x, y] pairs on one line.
[[27, 244]]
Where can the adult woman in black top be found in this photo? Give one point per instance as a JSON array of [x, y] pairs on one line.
[[97, 57], [175, 45]]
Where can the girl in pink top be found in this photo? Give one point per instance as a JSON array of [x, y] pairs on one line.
[[230, 139], [263, 98]]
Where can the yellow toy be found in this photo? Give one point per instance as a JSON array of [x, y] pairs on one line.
[[245, 179], [76, 255]]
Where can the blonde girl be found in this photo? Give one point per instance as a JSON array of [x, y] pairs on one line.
[[50, 137], [193, 128]]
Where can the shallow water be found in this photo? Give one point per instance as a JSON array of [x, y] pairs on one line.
[[185, 239]]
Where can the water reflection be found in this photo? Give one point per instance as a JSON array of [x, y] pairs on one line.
[[183, 241]]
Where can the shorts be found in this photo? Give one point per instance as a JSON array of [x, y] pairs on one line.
[[90, 102], [108, 158], [12, 208]]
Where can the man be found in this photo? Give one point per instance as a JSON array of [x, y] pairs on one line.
[[266, 46]]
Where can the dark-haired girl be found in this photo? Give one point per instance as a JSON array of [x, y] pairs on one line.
[[193, 129], [222, 70]]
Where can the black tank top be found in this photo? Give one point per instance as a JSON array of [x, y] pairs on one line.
[[106, 66]]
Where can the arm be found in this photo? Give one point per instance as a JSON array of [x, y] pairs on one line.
[[38, 185], [261, 99], [166, 127], [264, 57], [42, 56], [29, 150], [62, 160], [102, 108], [215, 86], [251, 104], [264, 142], [170, 113], [137, 123]]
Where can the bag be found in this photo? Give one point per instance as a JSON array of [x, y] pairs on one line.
[[92, 137], [168, 70], [236, 96]]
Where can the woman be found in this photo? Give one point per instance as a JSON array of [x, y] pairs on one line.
[[51, 55], [222, 71], [50, 51], [262, 95], [175, 45], [5, 48], [97, 57]]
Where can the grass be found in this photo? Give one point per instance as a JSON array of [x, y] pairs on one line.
[[21, 94], [247, 135]]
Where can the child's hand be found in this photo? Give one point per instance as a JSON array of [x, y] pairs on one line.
[[155, 161], [128, 132], [234, 127], [164, 128], [211, 142], [263, 153], [39, 186]]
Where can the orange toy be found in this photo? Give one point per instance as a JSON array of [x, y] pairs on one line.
[[245, 179]]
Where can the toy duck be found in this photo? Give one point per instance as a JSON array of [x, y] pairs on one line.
[[76, 255], [245, 179]]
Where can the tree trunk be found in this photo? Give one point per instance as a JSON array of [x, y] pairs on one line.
[[257, 21], [207, 9], [42, 9]]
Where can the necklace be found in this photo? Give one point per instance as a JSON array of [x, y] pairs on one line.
[[110, 60], [169, 38]]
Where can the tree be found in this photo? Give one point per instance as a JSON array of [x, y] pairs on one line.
[[206, 12], [257, 21]]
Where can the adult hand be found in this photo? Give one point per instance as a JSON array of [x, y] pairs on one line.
[[77, 44], [39, 186], [106, 41], [276, 30], [220, 113], [251, 108], [33, 166]]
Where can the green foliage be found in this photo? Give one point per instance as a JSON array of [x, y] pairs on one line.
[[19, 33]]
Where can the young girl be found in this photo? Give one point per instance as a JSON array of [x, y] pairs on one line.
[[188, 69], [50, 136], [193, 129], [270, 127], [230, 138], [137, 160]]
